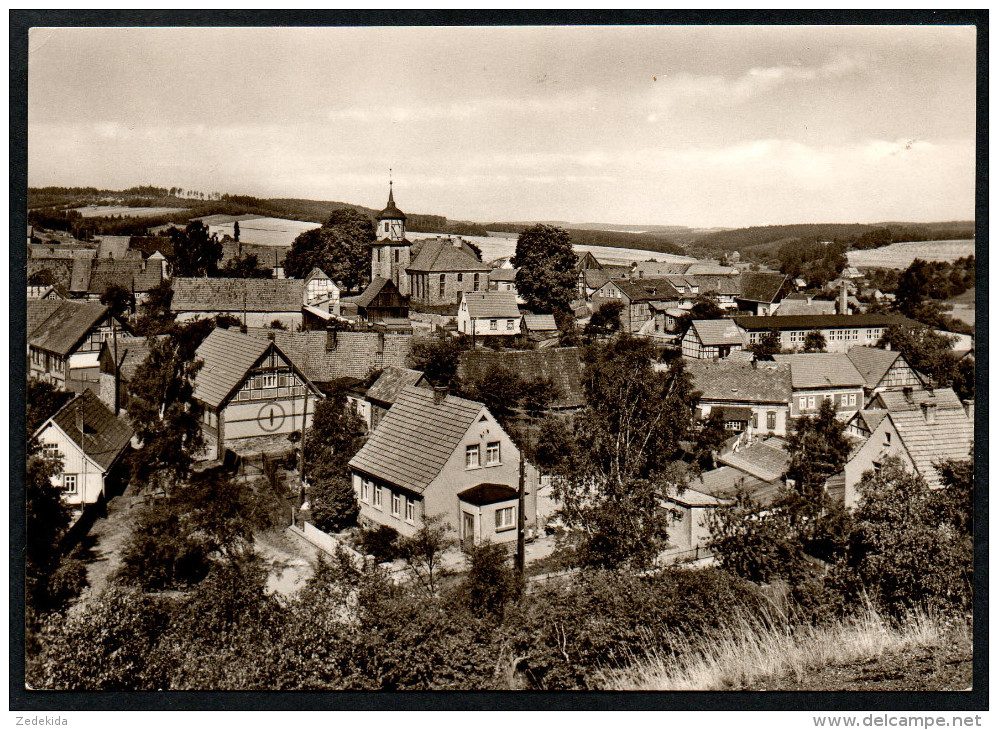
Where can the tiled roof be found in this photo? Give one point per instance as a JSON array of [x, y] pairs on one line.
[[721, 285], [790, 307], [822, 321], [872, 363], [482, 494], [646, 290], [718, 332], [355, 356], [416, 438], [760, 286], [736, 413], [38, 311], [130, 274], [766, 460], [950, 437], [67, 326], [228, 356], [435, 255], [503, 275], [723, 482], [821, 370], [595, 278], [710, 269], [113, 247], [103, 437], [562, 365], [739, 382], [237, 295], [539, 322], [486, 304], [132, 352], [79, 279], [373, 289], [872, 417], [690, 497], [391, 382]]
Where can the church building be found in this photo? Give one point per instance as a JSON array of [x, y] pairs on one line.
[[390, 251]]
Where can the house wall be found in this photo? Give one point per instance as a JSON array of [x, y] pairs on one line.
[[846, 401], [836, 339], [505, 326], [485, 522], [363, 409], [882, 443], [689, 529], [425, 287], [761, 411], [89, 476], [291, 320]]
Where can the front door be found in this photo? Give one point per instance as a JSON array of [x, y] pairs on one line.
[[468, 533]]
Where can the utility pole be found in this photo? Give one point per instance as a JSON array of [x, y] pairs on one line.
[[117, 372], [521, 557]]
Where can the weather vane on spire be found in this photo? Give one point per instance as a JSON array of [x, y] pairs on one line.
[[389, 177]]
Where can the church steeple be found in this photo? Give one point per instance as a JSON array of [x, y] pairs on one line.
[[391, 221]]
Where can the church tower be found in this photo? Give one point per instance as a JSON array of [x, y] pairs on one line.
[[390, 251]]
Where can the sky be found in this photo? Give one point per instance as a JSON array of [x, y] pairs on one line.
[[703, 126]]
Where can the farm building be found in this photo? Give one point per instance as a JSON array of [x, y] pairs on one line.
[[712, 339], [255, 302]]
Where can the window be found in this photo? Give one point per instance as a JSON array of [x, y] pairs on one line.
[[810, 401], [365, 491], [828, 397], [460, 277], [471, 457], [443, 281], [410, 510], [396, 504], [505, 518], [269, 380], [377, 497], [492, 454], [771, 420], [476, 282], [377, 253], [852, 399], [803, 403], [396, 256], [51, 451], [509, 324], [69, 483], [493, 324]]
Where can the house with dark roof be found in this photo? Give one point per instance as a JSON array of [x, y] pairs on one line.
[[756, 467], [504, 280], [722, 289], [381, 302], [92, 277], [443, 269], [490, 314], [256, 302], [585, 263], [374, 402], [922, 427], [637, 296], [884, 370], [561, 365], [762, 291], [251, 392], [64, 340], [712, 339], [841, 331], [753, 398], [90, 442], [435, 454], [823, 376]]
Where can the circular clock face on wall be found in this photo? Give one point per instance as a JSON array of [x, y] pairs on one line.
[[271, 416]]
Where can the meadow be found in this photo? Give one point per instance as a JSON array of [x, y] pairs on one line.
[[99, 211], [900, 255]]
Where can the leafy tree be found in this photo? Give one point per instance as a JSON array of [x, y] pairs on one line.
[[43, 401], [492, 584], [155, 314], [163, 412], [605, 321], [381, 542], [507, 395], [767, 346], [42, 277], [926, 351], [437, 358], [814, 341], [333, 504], [46, 523], [196, 252], [118, 300], [964, 381], [335, 435], [423, 552], [244, 267], [341, 248], [546, 278], [704, 307], [711, 433], [277, 325], [818, 449], [235, 231]]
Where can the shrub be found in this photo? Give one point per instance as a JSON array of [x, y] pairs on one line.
[[492, 584], [333, 504], [382, 543]]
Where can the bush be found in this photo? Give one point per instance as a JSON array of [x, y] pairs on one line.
[[333, 504], [382, 543], [492, 584]]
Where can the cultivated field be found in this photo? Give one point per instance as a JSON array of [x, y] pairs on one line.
[[900, 255], [964, 306], [94, 211], [263, 231]]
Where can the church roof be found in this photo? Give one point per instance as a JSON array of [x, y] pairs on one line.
[[391, 210]]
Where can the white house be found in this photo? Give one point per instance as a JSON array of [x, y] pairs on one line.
[[489, 313], [89, 441]]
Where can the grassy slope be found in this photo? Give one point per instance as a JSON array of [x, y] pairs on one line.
[[921, 653]]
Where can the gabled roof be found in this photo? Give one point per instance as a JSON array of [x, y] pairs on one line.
[[646, 290], [79, 279], [561, 365], [766, 460], [503, 275], [416, 438], [237, 295], [113, 247], [131, 274], [760, 286], [823, 321], [871, 418], [710, 269], [950, 437], [67, 326], [103, 436], [391, 382], [228, 356], [718, 332], [378, 284], [595, 278], [585, 261], [690, 497], [539, 322], [489, 304], [789, 307], [316, 273], [872, 363], [722, 484], [132, 352], [38, 311], [741, 382], [721, 285], [821, 370], [431, 255]]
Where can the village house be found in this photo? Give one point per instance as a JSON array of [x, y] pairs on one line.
[[804, 303], [64, 341], [91, 278], [504, 280], [712, 339], [374, 402], [762, 291], [841, 331], [922, 427], [540, 327], [561, 365], [435, 454], [823, 376], [381, 303], [251, 392], [131, 352], [883, 370], [255, 302], [493, 314], [723, 290], [321, 291], [586, 262], [90, 442], [754, 398], [689, 523], [637, 296]]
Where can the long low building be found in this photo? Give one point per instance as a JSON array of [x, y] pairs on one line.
[[841, 331], [256, 302]]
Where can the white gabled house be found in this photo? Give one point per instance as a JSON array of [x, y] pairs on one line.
[[489, 313]]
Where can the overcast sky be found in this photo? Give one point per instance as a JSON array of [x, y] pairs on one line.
[[699, 126]]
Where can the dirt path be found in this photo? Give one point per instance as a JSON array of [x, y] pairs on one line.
[[107, 537]]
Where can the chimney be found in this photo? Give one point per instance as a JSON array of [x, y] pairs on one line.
[[330, 339], [968, 407], [457, 242], [843, 299], [929, 411], [439, 394], [907, 395]]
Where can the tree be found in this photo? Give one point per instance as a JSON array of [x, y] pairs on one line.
[[818, 449], [605, 321], [437, 358], [155, 314], [46, 522], [424, 550], [767, 346], [118, 300], [492, 584], [43, 401], [341, 248], [336, 434], [814, 341], [546, 278], [196, 252], [507, 395], [926, 351], [964, 381], [42, 277], [163, 412], [332, 502], [235, 231], [244, 267]]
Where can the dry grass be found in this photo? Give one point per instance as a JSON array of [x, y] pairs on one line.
[[757, 651]]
